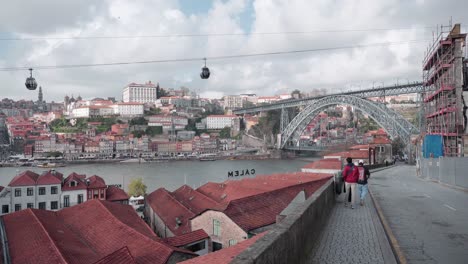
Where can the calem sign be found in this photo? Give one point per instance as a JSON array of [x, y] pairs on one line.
[[238, 173]]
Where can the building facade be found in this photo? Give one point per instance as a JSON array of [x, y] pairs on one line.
[[140, 93]]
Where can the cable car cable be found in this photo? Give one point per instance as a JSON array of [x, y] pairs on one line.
[[210, 34], [68, 66]]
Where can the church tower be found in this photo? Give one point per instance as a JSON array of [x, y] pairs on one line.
[[40, 98]]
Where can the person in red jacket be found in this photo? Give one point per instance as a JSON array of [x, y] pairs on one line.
[[350, 177]]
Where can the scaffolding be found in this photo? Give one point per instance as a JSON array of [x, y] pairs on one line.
[[443, 72]]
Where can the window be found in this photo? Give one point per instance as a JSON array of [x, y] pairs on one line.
[[232, 242], [5, 209], [66, 201], [17, 192], [197, 247], [54, 205], [216, 227], [17, 207], [80, 198], [30, 205], [72, 183], [217, 246], [90, 195], [380, 149], [42, 205], [53, 190], [30, 192], [41, 190]]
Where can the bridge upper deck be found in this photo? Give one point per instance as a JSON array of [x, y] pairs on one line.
[[416, 87]]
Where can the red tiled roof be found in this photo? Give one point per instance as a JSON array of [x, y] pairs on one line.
[[225, 255], [50, 177], [114, 193], [250, 202], [261, 210], [194, 200], [48, 239], [79, 179], [96, 182], [328, 164], [236, 189], [120, 256], [185, 239], [103, 228], [1, 188], [168, 209], [25, 178]]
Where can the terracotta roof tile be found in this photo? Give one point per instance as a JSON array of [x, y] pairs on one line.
[[194, 200], [86, 233], [79, 181], [25, 178], [185, 239], [225, 255], [328, 164], [261, 210], [50, 177], [96, 182], [169, 209], [120, 256], [114, 193]]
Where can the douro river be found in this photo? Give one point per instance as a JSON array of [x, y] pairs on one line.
[[170, 175]]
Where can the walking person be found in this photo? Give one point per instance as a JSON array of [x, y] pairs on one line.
[[364, 175], [350, 177]]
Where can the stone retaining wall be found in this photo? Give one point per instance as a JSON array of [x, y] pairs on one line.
[[293, 238]]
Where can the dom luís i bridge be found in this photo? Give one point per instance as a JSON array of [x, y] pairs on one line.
[[391, 121]]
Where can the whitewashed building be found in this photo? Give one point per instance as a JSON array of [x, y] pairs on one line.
[[131, 109], [221, 121], [140, 93]]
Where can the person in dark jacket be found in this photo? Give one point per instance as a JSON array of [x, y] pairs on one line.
[[364, 175], [350, 177]]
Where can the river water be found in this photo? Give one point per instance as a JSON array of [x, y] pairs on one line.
[[170, 175]]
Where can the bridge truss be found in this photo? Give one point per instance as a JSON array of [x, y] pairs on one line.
[[416, 87], [392, 122]]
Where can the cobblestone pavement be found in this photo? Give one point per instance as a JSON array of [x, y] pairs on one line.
[[352, 236]]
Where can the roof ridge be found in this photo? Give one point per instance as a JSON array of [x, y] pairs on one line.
[[204, 195], [132, 230], [47, 233], [172, 197], [109, 212]]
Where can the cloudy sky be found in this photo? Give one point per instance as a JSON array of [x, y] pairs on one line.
[[325, 23]]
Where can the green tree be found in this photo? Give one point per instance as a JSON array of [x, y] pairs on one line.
[[138, 133], [138, 121], [154, 130], [398, 146], [153, 111], [136, 187], [225, 132]]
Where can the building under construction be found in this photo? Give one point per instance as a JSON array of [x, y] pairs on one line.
[[445, 117]]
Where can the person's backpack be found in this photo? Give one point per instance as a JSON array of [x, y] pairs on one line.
[[362, 175]]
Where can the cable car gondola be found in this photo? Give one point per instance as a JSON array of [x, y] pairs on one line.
[[31, 83], [205, 74]]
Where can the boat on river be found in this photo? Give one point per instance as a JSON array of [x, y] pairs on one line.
[[50, 165]]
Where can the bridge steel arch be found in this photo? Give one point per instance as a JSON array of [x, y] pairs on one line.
[[391, 121]]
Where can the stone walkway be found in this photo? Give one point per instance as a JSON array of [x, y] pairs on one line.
[[353, 236]]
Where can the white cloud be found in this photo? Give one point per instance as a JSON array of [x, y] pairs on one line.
[[263, 75]]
